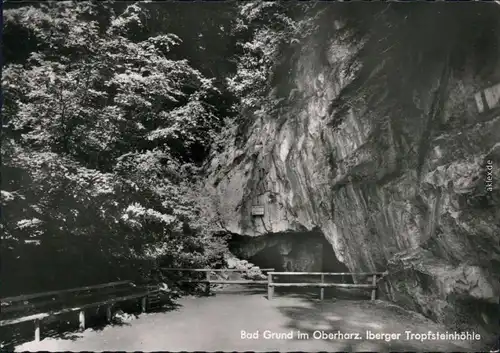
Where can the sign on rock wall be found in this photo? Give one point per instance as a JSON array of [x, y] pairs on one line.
[[488, 98], [257, 210]]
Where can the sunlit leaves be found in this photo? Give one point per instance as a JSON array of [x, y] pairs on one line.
[[102, 130]]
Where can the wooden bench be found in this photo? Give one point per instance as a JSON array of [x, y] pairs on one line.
[[39, 306]]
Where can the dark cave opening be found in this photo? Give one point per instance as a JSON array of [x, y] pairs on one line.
[[269, 257], [295, 252], [292, 252]]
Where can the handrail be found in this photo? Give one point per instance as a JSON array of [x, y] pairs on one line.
[[375, 278], [209, 281], [342, 285], [373, 286], [38, 317], [212, 270], [43, 294], [215, 281], [329, 273]]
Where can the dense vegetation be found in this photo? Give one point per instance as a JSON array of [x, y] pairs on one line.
[[107, 119], [110, 110]]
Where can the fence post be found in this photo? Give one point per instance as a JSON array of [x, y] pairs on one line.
[[374, 289], [81, 319], [270, 287], [322, 290], [207, 288], [37, 330], [143, 304], [108, 313]]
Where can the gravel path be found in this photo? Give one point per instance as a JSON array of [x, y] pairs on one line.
[[215, 324]]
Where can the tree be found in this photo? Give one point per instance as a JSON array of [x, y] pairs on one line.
[[104, 135]]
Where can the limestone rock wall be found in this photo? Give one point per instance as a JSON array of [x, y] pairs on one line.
[[394, 170]]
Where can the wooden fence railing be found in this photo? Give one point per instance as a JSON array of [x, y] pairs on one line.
[[212, 270], [210, 281], [322, 285], [39, 306], [374, 277]]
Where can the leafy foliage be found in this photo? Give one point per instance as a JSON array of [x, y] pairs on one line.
[[104, 136], [267, 34]]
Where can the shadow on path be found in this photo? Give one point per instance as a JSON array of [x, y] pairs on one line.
[[65, 326], [323, 319]]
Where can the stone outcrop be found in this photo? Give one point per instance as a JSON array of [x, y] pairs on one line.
[[393, 152], [251, 271]]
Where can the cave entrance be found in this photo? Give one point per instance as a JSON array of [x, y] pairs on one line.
[[268, 257], [292, 252]]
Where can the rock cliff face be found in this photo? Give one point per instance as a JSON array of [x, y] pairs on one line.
[[389, 143]]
